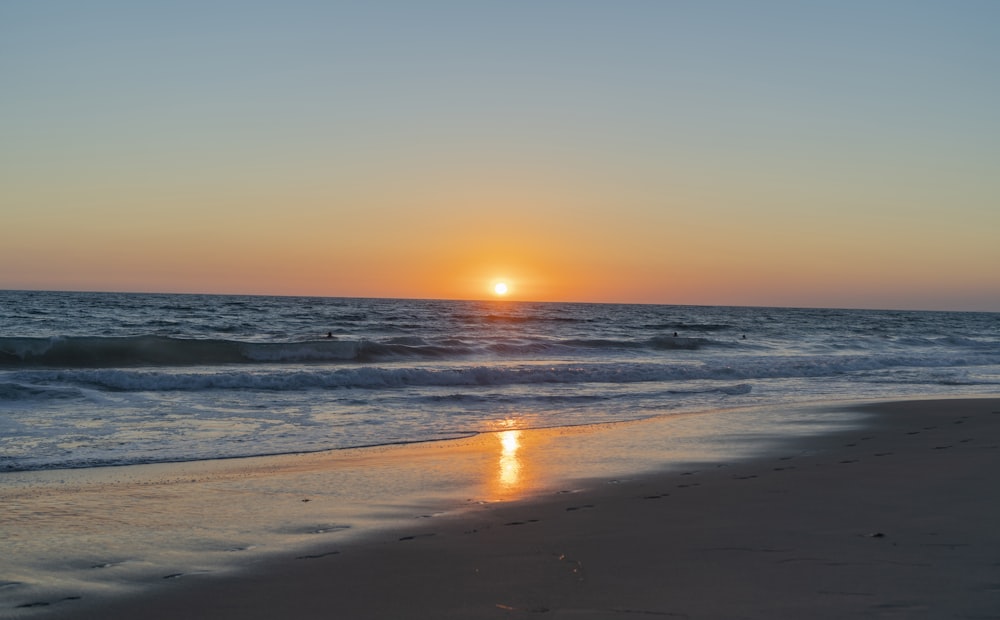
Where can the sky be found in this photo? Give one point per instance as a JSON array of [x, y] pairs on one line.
[[768, 153]]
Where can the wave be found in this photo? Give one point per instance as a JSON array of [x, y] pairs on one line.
[[150, 350], [495, 398], [112, 352], [728, 369], [162, 351], [490, 317], [679, 342], [690, 327], [13, 391]]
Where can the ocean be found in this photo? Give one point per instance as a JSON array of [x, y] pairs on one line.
[[102, 379]]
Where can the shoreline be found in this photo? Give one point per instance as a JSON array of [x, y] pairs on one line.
[[892, 518]]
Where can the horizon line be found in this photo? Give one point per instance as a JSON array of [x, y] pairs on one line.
[[498, 300]]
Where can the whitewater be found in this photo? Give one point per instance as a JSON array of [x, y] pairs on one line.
[[97, 379]]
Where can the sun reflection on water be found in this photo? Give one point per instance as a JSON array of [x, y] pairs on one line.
[[510, 464]]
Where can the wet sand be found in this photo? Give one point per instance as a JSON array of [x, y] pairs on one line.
[[897, 519]]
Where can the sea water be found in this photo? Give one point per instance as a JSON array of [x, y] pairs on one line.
[[96, 379]]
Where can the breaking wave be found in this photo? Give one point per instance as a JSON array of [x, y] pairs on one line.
[[377, 377], [132, 351]]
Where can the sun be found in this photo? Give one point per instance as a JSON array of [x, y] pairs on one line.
[[500, 288]]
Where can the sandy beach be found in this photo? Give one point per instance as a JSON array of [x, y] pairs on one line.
[[893, 519]]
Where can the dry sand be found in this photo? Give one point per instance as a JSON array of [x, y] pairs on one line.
[[898, 520]]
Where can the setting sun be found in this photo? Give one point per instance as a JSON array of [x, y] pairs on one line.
[[500, 288]]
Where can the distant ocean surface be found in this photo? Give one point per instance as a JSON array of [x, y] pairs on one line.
[[94, 379]]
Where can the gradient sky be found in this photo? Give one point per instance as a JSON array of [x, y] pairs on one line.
[[842, 154]]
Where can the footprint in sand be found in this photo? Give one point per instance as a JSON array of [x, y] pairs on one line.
[[47, 603], [179, 575], [327, 529], [316, 556], [416, 536]]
